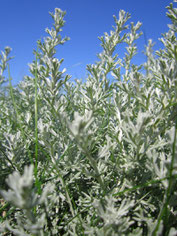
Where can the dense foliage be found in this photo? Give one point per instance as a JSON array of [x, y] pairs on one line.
[[97, 157]]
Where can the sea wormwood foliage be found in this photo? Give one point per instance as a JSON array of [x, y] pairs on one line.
[[97, 157]]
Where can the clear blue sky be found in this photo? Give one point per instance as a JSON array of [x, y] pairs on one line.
[[23, 22]]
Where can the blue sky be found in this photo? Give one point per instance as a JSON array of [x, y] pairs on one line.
[[23, 22]]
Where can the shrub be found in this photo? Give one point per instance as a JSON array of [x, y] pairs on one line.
[[95, 157]]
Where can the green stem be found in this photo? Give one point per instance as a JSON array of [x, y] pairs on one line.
[[36, 129], [170, 183], [149, 183]]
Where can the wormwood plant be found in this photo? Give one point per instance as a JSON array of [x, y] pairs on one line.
[[97, 157]]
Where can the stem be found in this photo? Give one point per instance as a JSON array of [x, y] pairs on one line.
[[167, 196], [149, 183], [6, 157], [36, 128], [97, 174], [67, 195]]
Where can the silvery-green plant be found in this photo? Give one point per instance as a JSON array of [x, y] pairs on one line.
[[96, 157]]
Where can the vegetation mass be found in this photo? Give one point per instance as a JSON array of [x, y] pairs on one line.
[[97, 157]]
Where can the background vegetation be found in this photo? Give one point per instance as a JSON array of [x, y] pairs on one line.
[[96, 157]]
